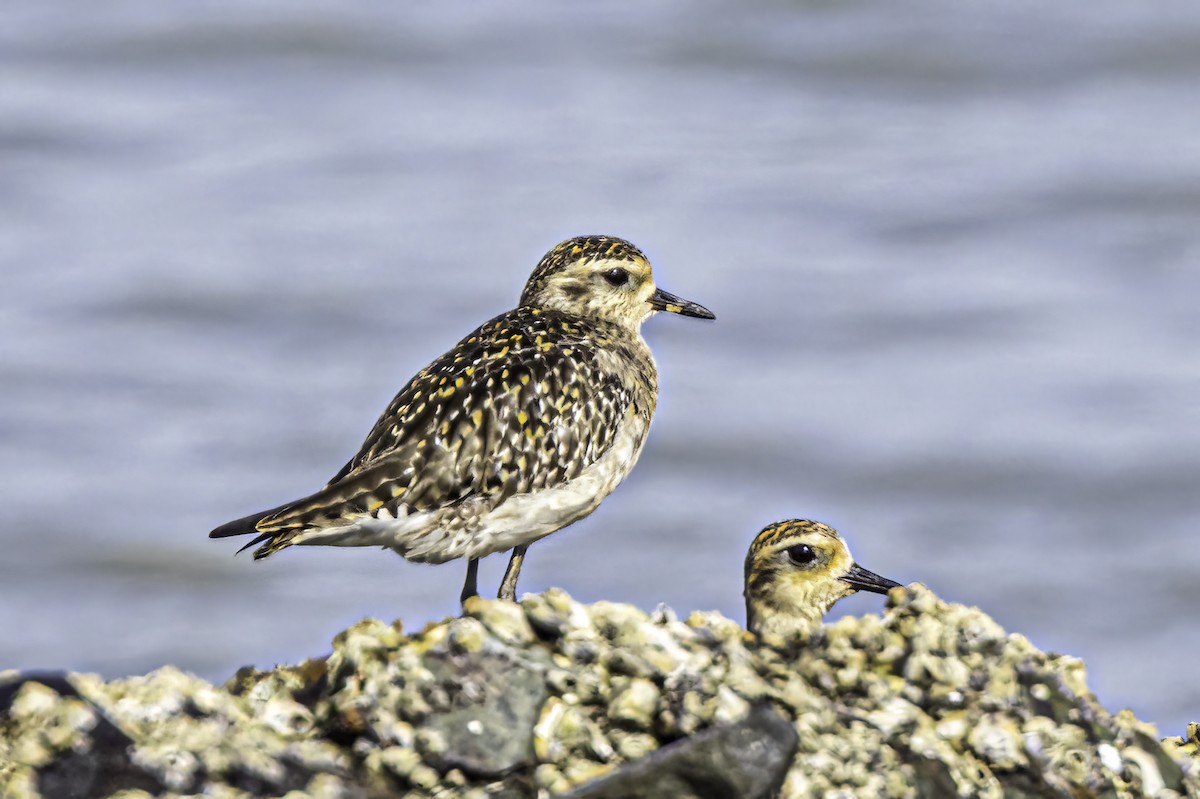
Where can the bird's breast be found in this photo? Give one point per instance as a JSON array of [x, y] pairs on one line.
[[628, 359]]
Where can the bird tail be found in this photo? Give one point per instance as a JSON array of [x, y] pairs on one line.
[[336, 505], [276, 529]]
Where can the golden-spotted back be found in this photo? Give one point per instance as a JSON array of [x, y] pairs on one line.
[[519, 430], [795, 571]]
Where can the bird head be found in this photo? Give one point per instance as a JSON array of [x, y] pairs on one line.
[[602, 277], [795, 571]]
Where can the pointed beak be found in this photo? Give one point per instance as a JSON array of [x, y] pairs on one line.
[[665, 301], [863, 580]]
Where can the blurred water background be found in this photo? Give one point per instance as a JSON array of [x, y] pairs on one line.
[[953, 250]]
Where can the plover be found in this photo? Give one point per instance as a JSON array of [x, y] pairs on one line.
[[522, 428], [795, 571]]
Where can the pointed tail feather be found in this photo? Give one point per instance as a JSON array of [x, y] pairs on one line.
[[242, 526], [333, 506], [250, 524]]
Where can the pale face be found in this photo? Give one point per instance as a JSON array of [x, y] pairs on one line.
[[795, 572], [618, 290], [602, 277]]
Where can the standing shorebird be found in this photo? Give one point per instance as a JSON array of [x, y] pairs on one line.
[[795, 571], [522, 428]]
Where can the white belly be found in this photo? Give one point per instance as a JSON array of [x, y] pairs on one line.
[[525, 518], [464, 532]]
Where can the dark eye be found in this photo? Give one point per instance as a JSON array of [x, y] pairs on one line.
[[618, 276], [801, 554]]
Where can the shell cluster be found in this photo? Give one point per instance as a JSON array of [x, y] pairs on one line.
[[542, 697]]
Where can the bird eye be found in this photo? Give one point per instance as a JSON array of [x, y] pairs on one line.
[[617, 276], [801, 554]]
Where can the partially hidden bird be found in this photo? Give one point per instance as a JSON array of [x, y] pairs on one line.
[[795, 571]]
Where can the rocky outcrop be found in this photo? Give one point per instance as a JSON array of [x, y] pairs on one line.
[[551, 697]]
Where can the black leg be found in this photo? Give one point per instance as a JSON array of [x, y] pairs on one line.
[[471, 587], [508, 586]]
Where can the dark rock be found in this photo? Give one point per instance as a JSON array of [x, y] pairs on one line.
[[101, 768], [56, 681], [746, 760]]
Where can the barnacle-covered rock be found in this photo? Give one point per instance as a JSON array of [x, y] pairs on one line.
[[551, 696], [1186, 746], [167, 731]]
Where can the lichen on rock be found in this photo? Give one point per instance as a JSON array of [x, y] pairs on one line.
[[551, 696]]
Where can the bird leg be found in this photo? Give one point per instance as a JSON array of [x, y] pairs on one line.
[[471, 587], [508, 586]]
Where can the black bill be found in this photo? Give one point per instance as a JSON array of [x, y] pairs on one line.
[[864, 580], [665, 301]]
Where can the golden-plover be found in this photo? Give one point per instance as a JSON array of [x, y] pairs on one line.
[[795, 571], [522, 428]]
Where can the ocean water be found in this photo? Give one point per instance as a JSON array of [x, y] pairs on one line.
[[954, 252]]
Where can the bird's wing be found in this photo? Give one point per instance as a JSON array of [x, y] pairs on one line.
[[507, 411]]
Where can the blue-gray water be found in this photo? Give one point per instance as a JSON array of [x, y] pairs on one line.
[[954, 251]]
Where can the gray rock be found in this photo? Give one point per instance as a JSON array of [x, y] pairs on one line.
[[744, 760], [487, 731]]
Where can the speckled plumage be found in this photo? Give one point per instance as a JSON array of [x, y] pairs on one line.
[[522, 404], [519, 430]]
